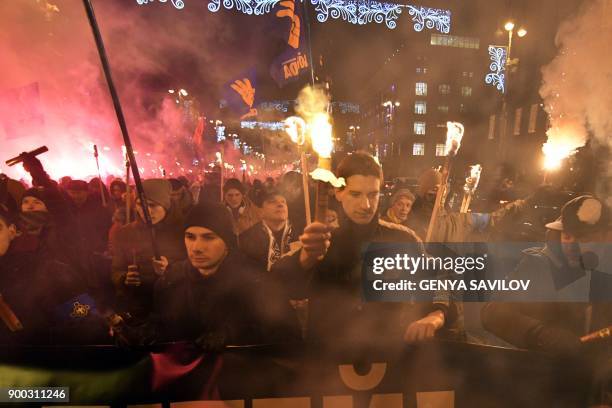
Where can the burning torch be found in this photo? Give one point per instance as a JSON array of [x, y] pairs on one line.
[[454, 134], [470, 186], [296, 129], [321, 137], [102, 195]]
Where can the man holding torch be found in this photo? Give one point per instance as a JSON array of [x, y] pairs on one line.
[[328, 267]]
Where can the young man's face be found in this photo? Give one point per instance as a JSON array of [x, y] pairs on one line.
[[233, 198], [274, 209], [360, 197], [402, 207], [205, 249], [157, 212], [29, 204], [7, 234]]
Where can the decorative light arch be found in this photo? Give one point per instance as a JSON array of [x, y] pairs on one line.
[[358, 12], [497, 77]]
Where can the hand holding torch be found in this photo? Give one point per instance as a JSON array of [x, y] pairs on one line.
[[454, 134], [22, 156]]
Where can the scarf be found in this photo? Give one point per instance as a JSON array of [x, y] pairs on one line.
[[277, 249], [392, 217]]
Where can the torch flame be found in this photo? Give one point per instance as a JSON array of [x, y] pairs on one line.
[[454, 134], [554, 153], [471, 183], [296, 129], [321, 135], [563, 140]]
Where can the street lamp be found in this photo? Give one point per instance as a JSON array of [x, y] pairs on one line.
[[521, 32]]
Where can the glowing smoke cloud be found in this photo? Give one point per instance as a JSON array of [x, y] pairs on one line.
[[50, 43], [577, 83]]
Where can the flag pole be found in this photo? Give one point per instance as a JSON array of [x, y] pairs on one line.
[[121, 119]]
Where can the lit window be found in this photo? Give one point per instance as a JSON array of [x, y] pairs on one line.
[[421, 88], [418, 149], [471, 74], [517, 121], [533, 116], [455, 41], [491, 135], [419, 128], [443, 108], [462, 108], [440, 149], [466, 91], [420, 107], [444, 89]]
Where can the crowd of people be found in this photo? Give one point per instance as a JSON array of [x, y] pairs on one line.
[[81, 263]]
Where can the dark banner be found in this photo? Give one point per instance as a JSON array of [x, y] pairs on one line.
[[436, 374]]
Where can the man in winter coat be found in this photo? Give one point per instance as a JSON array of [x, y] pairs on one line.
[[328, 268], [244, 213], [133, 271], [565, 274], [270, 239], [214, 297]]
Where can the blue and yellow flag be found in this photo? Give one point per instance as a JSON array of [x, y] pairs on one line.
[[293, 62], [239, 93]]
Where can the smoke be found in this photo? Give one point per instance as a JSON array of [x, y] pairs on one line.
[[576, 84], [48, 45]]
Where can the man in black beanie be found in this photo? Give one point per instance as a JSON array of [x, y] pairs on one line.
[[216, 296]]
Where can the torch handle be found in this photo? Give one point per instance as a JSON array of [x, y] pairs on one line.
[[322, 202], [18, 159], [305, 187], [440, 194], [120, 119]]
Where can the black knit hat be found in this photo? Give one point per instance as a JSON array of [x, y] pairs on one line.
[[215, 217], [582, 215], [233, 183]]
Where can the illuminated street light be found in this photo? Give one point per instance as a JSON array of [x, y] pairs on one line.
[[183, 92], [171, 91], [521, 32], [509, 26], [397, 104]]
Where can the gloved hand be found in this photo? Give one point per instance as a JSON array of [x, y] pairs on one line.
[[31, 163], [213, 341]]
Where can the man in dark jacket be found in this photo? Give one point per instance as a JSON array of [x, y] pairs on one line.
[[43, 301], [268, 240], [214, 297], [328, 268], [133, 268], [564, 276]]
